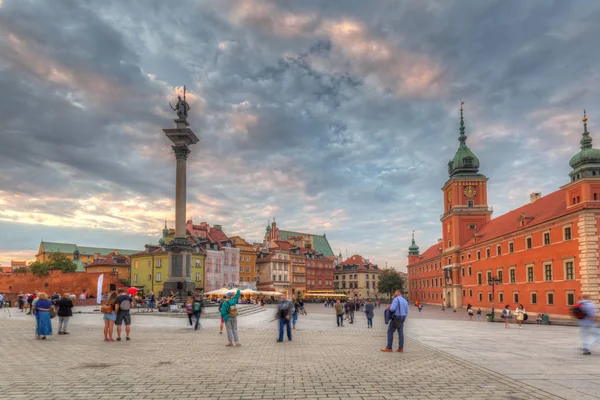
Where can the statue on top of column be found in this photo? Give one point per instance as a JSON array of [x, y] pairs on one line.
[[182, 107]]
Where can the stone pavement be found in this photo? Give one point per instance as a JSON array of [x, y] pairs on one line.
[[165, 360]]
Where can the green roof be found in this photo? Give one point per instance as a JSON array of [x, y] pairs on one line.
[[321, 243], [69, 248]]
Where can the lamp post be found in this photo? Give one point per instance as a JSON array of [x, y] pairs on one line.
[[493, 282]]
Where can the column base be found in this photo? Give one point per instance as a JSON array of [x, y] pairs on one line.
[[181, 288]]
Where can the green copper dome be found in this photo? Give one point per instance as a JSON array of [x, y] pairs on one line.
[[165, 233], [464, 161], [413, 249], [587, 161]]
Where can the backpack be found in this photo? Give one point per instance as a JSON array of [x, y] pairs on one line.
[[233, 311], [196, 306], [578, 311], [125, 305]]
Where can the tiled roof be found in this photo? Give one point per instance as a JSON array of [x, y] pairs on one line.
[[542, 210], [431, 253], [357, 262], [110, 259], [321, 244]]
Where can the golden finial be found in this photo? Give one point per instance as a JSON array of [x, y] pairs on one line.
[[461, 105], [584, 116]]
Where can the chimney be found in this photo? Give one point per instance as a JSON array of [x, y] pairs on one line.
[[219, 227], [534, 196], [439, 240]]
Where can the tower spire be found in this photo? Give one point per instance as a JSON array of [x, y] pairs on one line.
[[462, 137], [586, 140]]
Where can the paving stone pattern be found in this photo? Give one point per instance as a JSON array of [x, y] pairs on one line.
[[177, 363]]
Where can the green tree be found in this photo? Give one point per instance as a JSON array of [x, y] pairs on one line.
[[60, 262], [124, 281], [389, 281], [39, 268], [20, 270]]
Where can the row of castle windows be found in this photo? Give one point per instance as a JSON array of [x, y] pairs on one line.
[[533, 297], [511, 248]]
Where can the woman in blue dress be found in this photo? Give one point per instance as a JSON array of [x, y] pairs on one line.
[[42, 314]]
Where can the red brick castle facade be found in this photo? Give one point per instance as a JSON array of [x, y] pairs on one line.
[[544, 254]]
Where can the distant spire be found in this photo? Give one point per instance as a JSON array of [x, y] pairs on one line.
[[462, 137], [165, 223], [586, 140], [413, 237]]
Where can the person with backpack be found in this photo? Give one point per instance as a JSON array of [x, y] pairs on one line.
[[122, 306], [396, 316], [339, 313], [229, 314], [284, 313], [585, 312], [197, 305]]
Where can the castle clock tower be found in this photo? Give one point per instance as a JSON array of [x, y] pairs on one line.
[[465, 212]]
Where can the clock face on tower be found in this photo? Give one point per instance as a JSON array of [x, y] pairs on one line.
[[470, 191]]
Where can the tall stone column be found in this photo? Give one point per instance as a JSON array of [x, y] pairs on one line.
[[180, 250]]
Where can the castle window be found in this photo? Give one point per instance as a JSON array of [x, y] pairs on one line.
[[578, 200], [487, 253], [499, 250], [480, 296], [470, 271], [567, 233], [511, 247], [533, 298], [570, 298], [449, 243], [479, 278], [470, 203], [478, 255], [569, 270], [548, 272], [516, 297], [546, 238], [528, 242]]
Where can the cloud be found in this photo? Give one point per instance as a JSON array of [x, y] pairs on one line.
[[336, 119]]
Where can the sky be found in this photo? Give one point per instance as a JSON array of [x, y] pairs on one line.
[[333, 117]]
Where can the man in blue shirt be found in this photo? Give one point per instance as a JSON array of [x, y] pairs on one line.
[[399, 310], [589, 331]]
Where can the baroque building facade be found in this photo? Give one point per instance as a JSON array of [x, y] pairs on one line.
[[543, 255]]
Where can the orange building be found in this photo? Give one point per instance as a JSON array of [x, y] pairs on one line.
[[298, 265], [113, 263], [543, 255], [248, 255]]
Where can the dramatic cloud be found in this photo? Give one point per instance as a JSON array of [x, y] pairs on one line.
[[332, 118]]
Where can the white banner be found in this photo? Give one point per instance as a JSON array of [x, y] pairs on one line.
[[99, 294]]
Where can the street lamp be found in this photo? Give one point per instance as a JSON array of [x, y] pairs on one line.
[[493, 282]]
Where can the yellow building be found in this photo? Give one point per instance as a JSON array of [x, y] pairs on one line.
[[149, 269], [247, 262], [357, 278]]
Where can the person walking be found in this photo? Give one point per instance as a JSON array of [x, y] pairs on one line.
[[64, 312], [151, 301], [30, 299], [42, 315], [587, 325], [295, 315], [339, 313], [520, 315], [369, 313], [1, 300], [399, 311], [284, 313], [229, 313], [506, 315], [479, 314], [109, 316], [470, 311], [197, 305], [188, 309], [122, 307], [351, 309], [21, 301]]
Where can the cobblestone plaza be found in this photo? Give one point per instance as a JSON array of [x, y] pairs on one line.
[[444, 358]]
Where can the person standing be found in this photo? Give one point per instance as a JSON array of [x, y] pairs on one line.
[[122, 306], [188, 309], [64, 312], [587, 325], [197, 305], [30, 299], [284, 313], [470, 311], [479, 314], [21, 301], [109, 316], [369, 313], [520, 315], [1, 300], [339, 313], [506, 315], [229, 313], [42, 315], [399, 311]]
